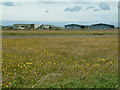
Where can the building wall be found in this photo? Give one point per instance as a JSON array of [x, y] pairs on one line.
[[7, 27], [43, 27], [72, 27], [17, 27], [100, 26], [36, 26], [46, 27]]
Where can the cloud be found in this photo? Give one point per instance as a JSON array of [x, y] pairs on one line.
[[8, 4], [104, 6], [47, 11], [90, 7], [96, 9], [73, 9], [60, 0]]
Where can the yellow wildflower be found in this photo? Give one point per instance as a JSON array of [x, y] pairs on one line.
[[28, 63]]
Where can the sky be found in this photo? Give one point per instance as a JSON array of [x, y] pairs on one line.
[[59, 12]]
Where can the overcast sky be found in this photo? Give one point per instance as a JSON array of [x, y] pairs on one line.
[[64, 11]]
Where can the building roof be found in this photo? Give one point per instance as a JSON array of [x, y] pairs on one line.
[[48, 25], [101, 24], [22, 24], [76, 25], [72, 25], [7, 26]]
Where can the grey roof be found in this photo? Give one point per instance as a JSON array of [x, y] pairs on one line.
[[101, 24], [72, 25], [47, 25], [77, 25], [22, 24], [7, 26]]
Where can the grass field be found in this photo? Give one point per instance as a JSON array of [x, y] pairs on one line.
[[60, 62], [61, 32]]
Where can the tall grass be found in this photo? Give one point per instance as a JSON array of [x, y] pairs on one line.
[[60, 62]]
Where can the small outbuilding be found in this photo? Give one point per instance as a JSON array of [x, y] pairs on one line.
[[7, 27], [44, 26], [25, 26], [101, 26]]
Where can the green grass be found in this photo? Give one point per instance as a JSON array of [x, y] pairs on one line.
[[101, 81], [60, 62]]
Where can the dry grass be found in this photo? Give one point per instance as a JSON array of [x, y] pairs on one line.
[[60, 32], [60, 62]]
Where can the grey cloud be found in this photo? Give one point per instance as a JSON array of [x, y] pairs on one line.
[[104, 6], [47, 11], [8, 4], [49, 2], [96, 9], [90, 7], [73, 9]]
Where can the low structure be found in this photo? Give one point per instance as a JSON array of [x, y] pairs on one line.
[[44, 26], [76, 26], [60, 27], [25, 26], [101, 26], [7, 27], [94, 26]]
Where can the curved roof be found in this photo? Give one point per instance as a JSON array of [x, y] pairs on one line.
[[72, 25], [101, 24]]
